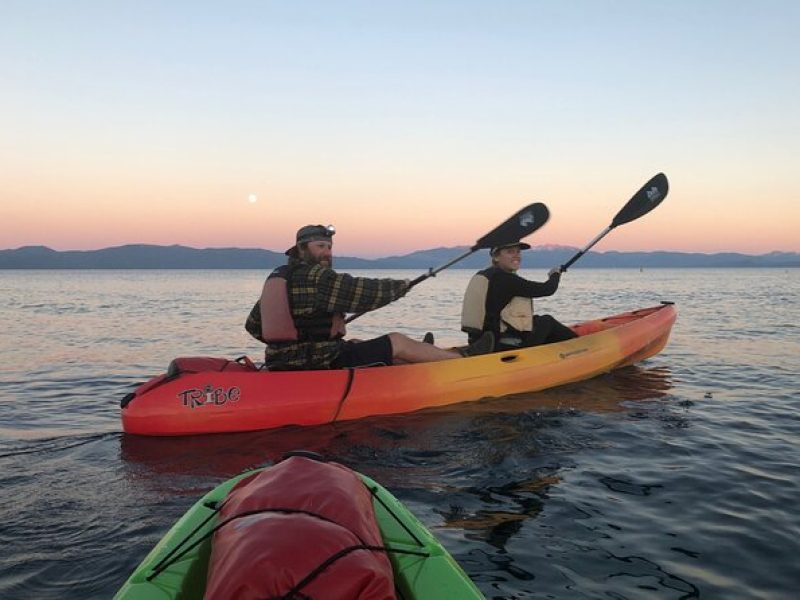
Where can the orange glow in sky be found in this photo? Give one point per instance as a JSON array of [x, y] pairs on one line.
[[408, 127]]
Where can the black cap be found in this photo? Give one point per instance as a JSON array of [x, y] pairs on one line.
[[311, 233], [522, 246]]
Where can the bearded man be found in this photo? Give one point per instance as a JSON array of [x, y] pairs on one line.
[[301, 314]]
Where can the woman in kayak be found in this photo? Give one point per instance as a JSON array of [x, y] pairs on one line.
[[498, 300], [300, 315]]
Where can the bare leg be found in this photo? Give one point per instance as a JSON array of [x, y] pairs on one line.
[[404, 349]]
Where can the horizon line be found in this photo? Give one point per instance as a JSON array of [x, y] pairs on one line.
[[534, 247]]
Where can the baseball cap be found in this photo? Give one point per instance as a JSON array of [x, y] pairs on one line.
[[311, 233]]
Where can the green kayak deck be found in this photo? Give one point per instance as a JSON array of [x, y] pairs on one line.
[[177, 566]]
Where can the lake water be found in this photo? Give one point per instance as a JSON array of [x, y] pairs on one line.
[[677, 478]]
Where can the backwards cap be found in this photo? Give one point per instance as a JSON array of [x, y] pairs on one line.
[[311, 233]]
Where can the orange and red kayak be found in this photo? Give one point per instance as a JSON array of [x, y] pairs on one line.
[[207, 395]]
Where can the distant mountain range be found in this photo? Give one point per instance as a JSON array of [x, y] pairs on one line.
[[143, 256]]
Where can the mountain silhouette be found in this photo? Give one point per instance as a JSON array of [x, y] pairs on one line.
[[146, 256]]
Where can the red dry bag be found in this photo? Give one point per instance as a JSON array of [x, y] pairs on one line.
[[300, 529]]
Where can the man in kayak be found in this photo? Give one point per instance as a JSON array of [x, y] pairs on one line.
[[300, 315], [500, 301]]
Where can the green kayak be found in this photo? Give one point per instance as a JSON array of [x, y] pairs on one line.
[[178, 565]]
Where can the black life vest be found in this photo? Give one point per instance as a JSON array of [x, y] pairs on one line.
[[516, 316]]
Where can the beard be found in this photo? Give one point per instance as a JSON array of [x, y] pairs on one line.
[[317, 260]]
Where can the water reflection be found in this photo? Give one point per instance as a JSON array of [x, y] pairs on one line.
[[219, 455], [604, 393], [605, 488], [362, 441], [476, 473], [522, 500]]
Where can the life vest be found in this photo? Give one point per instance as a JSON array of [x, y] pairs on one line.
[[271, 319], [516, 315]]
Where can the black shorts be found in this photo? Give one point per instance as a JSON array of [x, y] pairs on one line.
[[369, 353]]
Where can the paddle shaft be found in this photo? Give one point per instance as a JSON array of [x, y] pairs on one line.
[[569, 263], [433, 272], [424, 276], [522, 223], [646, 199]]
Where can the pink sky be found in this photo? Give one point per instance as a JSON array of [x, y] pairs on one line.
[[82, 212], [408, 128]]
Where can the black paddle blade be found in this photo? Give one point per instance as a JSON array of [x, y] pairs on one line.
[[643, 201], [522, 223]]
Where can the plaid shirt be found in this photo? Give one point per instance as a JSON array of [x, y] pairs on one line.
[[320, 291]]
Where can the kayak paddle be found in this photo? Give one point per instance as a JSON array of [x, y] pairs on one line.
[[522, 223], [643, 201]]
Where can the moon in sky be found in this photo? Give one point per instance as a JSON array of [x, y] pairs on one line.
[[252, 198]]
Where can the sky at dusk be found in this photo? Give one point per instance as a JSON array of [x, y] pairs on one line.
[[407, 124]]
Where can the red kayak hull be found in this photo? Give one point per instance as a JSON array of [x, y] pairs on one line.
[[245, 400]]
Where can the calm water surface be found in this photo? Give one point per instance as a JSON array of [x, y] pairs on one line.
[[677, 478]]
